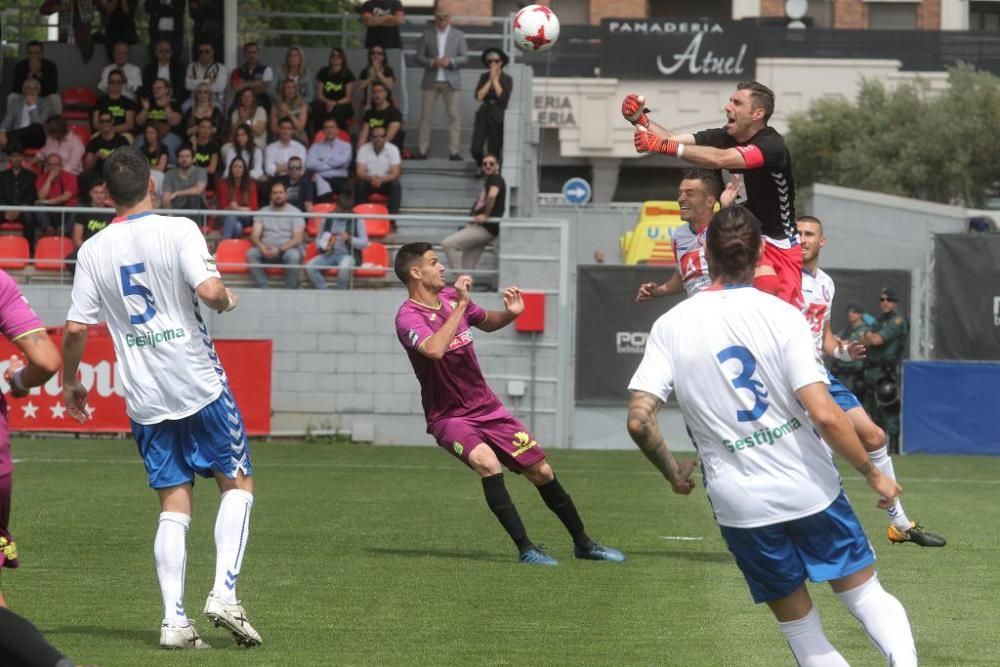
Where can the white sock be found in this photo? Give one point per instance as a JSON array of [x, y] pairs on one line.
[[809, 645], [880, 457], [170, 554], [231, 533], [885, 621]]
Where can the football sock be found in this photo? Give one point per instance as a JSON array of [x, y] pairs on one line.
[[170, 553], [770, 284], [809, 645], [498, 499], [561, 504], [880, 457], [231, 533], [21, 643], [884, 619]]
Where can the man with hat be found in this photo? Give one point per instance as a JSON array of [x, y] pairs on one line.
[[851, 373], [493, 90], [885, 342], [442, 51]]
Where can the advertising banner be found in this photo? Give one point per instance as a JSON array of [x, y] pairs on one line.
[[678, 49], [247, 363], [967, 301]]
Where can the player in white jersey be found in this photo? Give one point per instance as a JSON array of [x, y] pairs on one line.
[[817, 293], [700, 190], [144, 275], [744, 368]]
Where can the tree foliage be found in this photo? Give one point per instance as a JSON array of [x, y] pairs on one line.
[[906, 140], [258, 21]]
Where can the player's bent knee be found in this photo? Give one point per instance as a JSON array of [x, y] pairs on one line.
[[540, 473], [484, 461]]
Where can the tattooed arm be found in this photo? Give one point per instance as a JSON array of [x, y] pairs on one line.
[[646, 434]]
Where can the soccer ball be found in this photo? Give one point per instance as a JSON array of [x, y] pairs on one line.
[[536, 29]]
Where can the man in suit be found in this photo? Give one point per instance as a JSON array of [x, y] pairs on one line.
[[442, 52]]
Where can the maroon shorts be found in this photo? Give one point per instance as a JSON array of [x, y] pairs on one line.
[[506, 436], [8, 553], [787, 264]]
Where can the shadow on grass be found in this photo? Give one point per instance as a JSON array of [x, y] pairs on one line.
[[149, 637], [695, 556], [449, 554]]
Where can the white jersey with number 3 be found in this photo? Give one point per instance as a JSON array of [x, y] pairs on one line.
[[817, 295], [735, 358], [140, 274]]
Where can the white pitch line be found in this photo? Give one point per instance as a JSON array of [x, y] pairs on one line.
[[681, 538]]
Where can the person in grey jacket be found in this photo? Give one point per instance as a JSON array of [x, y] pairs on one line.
[[22, 124], [442, 52], [336, 247]]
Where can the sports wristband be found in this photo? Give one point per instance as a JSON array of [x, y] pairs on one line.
[[841, 353], [231, 306], [680, 149], [16, 380]]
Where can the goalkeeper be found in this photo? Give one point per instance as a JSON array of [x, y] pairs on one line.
[[745, 145]]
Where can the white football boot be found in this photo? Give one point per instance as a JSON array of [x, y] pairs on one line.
[[173, 636], [233, 618]]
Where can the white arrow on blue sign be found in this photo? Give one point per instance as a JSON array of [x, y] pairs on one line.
[[577, 191]]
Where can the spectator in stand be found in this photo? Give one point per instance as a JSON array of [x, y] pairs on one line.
[[163, 113], [330, 158], [464, 247], [243, 147], [153, 149], [206, 150], [184, 185], [17, 188], [279, 152], [334, 91], [121, 108], [132, 73], [236, 192], [378, 169], [493, 92], [295, 68], [166, 23], [384, 115], [166, 66], [252, 74], [382, 19], [442, 51], [250, 113], [277, 240], [377, 71], [208, 17], [86, 225], [75, 19], [201, 107], [99, 148], [63, 143], [54, 187], [23, 122], [208, 71], [119, 24], [336, 247], [300, 191], [289, 104], [36, 66]]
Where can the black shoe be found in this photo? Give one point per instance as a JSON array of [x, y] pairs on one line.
[[418, 156], [915, 534], [456, 157]]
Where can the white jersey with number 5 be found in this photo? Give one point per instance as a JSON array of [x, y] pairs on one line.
[[817, 295], [735, 358], [141, 273]]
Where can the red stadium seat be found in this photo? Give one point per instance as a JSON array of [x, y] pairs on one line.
[[378, 198], [374, 261], [81, 131], [14, 252], [341, 134], [51, 252], [313, 225], [78, 103], [12, 226], [231, 255], [377, 228]]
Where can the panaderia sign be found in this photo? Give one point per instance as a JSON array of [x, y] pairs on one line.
[[677, 49]]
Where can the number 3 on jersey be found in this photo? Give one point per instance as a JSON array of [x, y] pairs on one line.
[[131, 289], [745, 380]]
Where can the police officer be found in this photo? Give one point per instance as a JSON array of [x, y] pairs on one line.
[[885, 341], [851, 373]]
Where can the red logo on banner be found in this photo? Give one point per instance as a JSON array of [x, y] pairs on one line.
[[247, 364]]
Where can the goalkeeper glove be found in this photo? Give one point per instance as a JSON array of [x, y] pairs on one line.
[[634, 109], [648, 142]]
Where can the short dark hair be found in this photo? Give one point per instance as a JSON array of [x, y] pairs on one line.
[[710, 178], [249, 44], [761, 95], [285, 119], [186, 147], [126, 172], [733, 244], [56, 126], [409, 256], [810, 218], [32, 43]]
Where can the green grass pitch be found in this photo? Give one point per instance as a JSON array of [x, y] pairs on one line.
[[388, 556]]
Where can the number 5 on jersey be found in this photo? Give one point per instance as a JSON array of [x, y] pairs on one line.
[[745, 380], [131, 289]]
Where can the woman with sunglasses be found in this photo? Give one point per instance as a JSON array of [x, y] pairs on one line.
[[201, 107], [493, 90], [377, 70], [334, 91]]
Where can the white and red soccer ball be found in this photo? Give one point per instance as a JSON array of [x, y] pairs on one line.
[[536, 29]]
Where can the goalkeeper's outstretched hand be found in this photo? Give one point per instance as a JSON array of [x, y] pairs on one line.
[[648, 142], [634, 110]]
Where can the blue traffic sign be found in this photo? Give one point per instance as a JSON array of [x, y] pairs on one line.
[[576, 191]]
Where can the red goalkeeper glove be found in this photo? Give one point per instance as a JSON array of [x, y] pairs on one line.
[[634, 109], [648, 142]]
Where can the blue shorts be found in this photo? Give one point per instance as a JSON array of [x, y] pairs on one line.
[[842, 396], [212, 439], [777, 559]]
